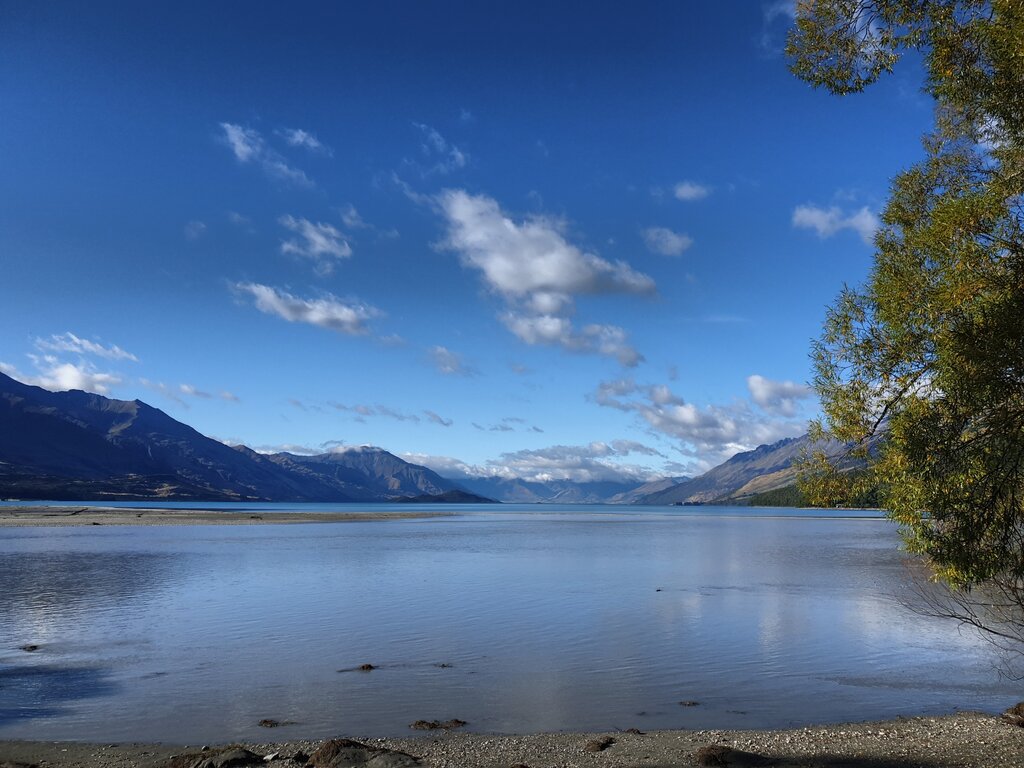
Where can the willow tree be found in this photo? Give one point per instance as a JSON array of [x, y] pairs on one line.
[[929, 352]]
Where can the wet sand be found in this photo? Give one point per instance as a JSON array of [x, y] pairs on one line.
[[72, 515], [964, 740]]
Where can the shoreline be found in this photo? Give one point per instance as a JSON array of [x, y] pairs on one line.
[[78, 515], [962, 740]]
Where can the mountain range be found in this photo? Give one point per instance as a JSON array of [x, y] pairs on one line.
[[80, 446]]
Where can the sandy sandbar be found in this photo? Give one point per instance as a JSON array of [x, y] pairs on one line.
[[81, 515]]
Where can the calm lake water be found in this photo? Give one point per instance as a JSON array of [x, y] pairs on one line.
[[515, 618]]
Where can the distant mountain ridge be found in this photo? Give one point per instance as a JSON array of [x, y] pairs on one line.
[[766, 468], [76, 445], [80, 446]]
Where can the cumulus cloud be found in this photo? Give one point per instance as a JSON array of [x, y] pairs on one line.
[[593, 462], [448, 362], [69, 342], [828, 221], [316, 241], [517, 259], [689, 191], [709, 434], [248, 146], [538, 272], [446, 466], [609, 340], [777, 396], [446, 156], [666, 242], [60, 376], [347, 317], [296, 137]]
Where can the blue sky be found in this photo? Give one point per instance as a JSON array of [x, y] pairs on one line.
[[584, 240]]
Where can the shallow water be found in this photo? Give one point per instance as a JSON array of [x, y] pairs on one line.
[[515, 618]]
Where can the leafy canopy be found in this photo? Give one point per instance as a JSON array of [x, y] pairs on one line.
[[929, 352]]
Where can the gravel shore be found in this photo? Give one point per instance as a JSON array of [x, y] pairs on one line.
[[54, 516], [964, 740]]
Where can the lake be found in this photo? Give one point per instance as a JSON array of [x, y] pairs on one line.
[[518, 618]]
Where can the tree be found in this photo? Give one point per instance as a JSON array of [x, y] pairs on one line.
[[929, 352]]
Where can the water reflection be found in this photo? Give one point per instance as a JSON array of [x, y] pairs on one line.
[[33, 692], [517, 621]]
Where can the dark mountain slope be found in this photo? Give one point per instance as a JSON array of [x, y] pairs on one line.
[[76, 445]]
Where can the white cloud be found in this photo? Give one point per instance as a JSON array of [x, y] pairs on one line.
[[828, 221], [328, 312], [194, 230], [246, 143], [69, 342], [710, 434], [350, 218], [188, 389], [296, 137], [448, 362], [230, 397], [60, 376], [316, 241], [594, 462], [666, 242], [248, 146], [446, 155], [608, 340], [517, 259], [777, 396], [689, 191], [538, 272], [446, 466]]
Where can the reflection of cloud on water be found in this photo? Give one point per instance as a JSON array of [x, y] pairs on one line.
[[46, 590], [45, 691]]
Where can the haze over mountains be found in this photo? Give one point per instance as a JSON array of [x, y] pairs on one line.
[[76, 445]]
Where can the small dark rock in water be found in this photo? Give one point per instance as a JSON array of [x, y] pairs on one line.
[[443, 665], [634, 731], [345, 753], [366, 667], [599, 745], [1015, 714], [434, 725], [719, 756], [269, 722], [255, 517], [29, 648], [689, 703]]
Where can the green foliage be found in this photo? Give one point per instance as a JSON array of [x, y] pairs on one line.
[[787, 496], [931, 349]]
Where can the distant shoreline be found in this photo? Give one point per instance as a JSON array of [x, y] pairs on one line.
[[80, 515], [963, 740]]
